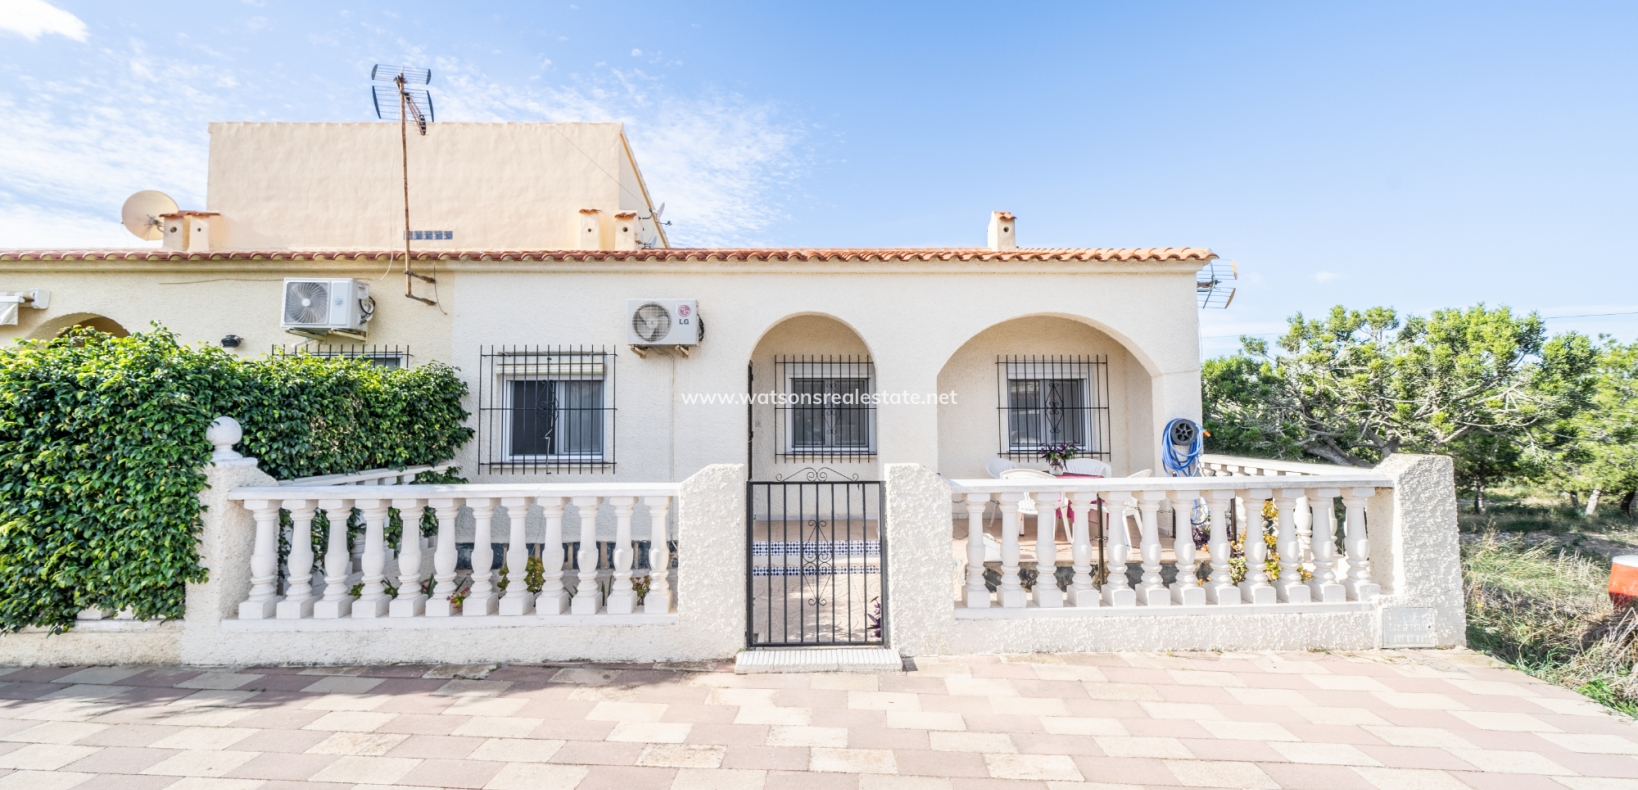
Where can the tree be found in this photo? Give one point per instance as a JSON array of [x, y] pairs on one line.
[[1354, 387], [1596, 449]]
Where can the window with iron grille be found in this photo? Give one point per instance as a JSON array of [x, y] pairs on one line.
[[827, 407], [1053, 400], [393, 357], [546, 408]]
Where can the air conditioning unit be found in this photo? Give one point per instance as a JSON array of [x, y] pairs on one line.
[[663, 322], [321, 307]]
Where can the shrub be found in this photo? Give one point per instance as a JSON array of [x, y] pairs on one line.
[[102, 440]]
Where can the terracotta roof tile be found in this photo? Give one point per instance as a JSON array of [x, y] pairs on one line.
[[975, 254]]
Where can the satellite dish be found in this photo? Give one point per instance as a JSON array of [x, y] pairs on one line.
[[659, 211], [141, 213]]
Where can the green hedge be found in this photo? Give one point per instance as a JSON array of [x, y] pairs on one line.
[[102, 440]]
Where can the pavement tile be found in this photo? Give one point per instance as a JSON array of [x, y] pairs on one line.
[[768, 758], [1298, 776], [598, 753], [680, 755], [422, 724], [1081, 725], [368, 744], [1513, 722], [1221, 774], [200, 763], [119, 760], [451, 773], [920, 720], [649, 732], [689, 713], [944, 703], [1324, 753], [54, 732], [43, 780], [1249, 731], [44, 756], [1411, 779], [1137, 746], [1039, 767], [290, 767], [834, 737], [973, 742], [719, 779], [535, 776], [1502, 761], [1605, 765], [569, 730], [788, 780], [731, 734], [922, 762], [1415, 757], [884, 738], [1215, 749], [372, 770]]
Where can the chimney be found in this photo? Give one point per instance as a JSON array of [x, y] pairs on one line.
[[591, 230], [1002, 235], [625, 230], [200, 224], [175, 227], [188, 231]]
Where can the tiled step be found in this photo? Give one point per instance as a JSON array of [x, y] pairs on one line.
[[837, 659]]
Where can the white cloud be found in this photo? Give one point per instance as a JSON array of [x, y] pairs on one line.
[[34, 18], [636, 53], [1325, 277]]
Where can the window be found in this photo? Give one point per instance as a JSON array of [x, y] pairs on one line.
[[393, 357], [827, 409], [546, 408], [1053, 400]]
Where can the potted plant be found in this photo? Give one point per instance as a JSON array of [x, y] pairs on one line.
[[1057, 454]]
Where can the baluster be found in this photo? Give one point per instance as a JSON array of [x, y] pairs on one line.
[[1359, 584], [585, 591], [482, 599], [1011, 592], [1082, 594], [1117, 589], [410, 601], [372, 600], [1046, 592], [553, 598], [1289, 588], [622, 599], [1255, 588], [264, 562], [1186, 590], [444, 558], [1220, 589], [1151, 589], [518, 599], [337, 562], [1324, 586], [1305, 532], [298, 600], [976, 595], [658, 598]]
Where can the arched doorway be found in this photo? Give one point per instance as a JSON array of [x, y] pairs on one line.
[[55, 327], [811, 378], [1037, 380]]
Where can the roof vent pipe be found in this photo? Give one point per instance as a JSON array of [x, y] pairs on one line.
[[1002, 234]]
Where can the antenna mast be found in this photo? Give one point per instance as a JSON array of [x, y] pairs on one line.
[[410, 103]]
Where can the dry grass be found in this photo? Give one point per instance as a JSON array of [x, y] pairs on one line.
[[1542, 606]]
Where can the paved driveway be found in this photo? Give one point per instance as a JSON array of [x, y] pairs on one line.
[[1395, 721]]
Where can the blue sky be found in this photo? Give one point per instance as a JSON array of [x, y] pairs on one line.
[[1416, 155]]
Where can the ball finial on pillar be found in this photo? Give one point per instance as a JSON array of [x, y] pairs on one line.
[[223, 433]]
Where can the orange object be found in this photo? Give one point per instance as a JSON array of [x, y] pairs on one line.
[[1624, 580]]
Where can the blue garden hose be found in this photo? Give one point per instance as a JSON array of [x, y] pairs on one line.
[[1184, 445]]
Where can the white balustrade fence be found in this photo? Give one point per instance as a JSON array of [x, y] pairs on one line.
[[1165, 513], [368, 579]]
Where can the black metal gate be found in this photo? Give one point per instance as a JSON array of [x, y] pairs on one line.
[[816, 570]]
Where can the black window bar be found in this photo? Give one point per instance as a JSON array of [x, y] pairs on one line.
[[825, 407], [394, 357], [546, 408], [1052, 400]]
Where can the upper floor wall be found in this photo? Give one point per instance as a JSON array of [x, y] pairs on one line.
[[340, 186]]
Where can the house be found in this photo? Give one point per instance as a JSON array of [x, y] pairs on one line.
[[788, 424]]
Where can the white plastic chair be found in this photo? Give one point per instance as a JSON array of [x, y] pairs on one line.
[[1026, 507], [1088, 466], [996, 466]]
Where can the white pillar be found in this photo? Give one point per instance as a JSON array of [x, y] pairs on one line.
[[1117, 590], [299, 598], [976, 595], [372, 599], [622, 599], [658, 599], [553, 600], [1220, 589], [444, 558], [1152, 589], [1305, 532], [337, 562], [585, 591], [1081, 592], [1359, 584], [1289, 588], [518, 599], [1046, 592], [264, 562], [410, 601], [1186, 590], [1324, 586], [483, 599], [1255, 589], [1011, 592]]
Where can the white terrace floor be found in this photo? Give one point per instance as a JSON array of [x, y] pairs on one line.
[[1394, 721]]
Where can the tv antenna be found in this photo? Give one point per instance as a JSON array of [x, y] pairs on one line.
[[1215, 284], [396, 101]]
